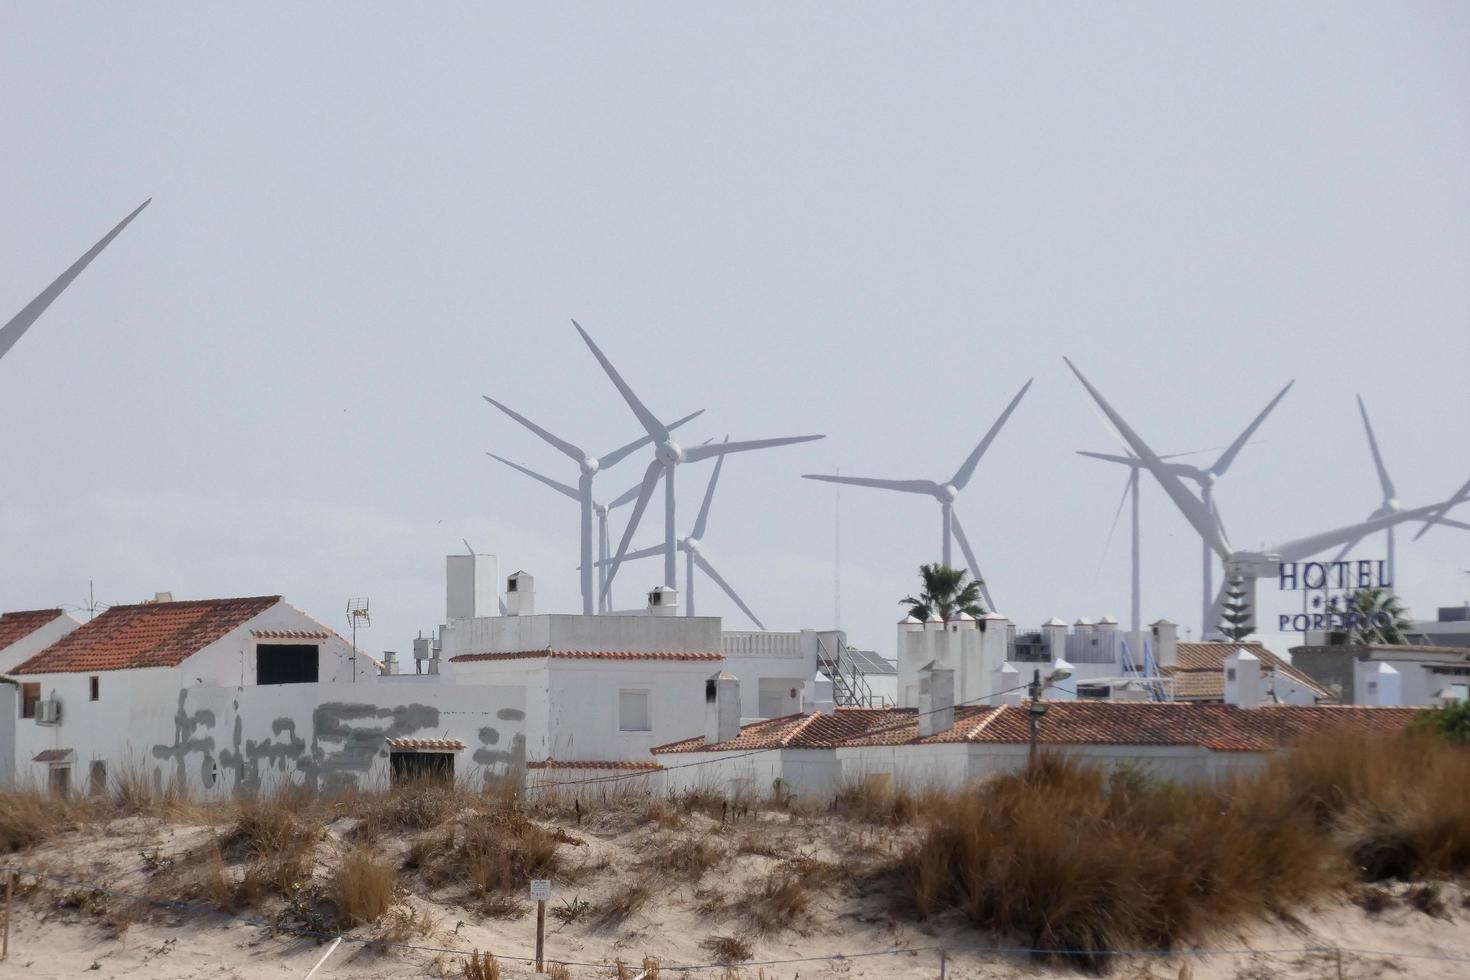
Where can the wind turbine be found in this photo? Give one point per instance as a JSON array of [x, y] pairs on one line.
[[945, 493], [694, 555], [1390, 503], [668, 455], [21, 322], [590, 466], [1204, 478], [601, 510], [1251, 565]]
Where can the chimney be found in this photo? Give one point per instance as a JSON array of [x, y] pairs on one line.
[[1007, 687], [163, 597], [936, 700], [663, 601], [1243, 679], [470, 584], [390, 662], [721, 708], [520, 594], [1378, 684], [1166, 643], [819, 695], [1055, 632]]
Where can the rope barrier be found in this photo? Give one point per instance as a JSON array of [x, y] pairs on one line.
[[947, 948]]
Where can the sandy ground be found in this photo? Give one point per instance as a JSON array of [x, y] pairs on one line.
[[111, 937]]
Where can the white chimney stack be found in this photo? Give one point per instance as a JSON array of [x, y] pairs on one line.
[[1055, 633], [1243, 679], [390, 662], [1008, 689], [1166, 643], [721, 708], [663, 601], [936, 699], [470, 586], [520, 594], [1378, 685]]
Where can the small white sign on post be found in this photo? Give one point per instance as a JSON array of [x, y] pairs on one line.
[[540, 889]]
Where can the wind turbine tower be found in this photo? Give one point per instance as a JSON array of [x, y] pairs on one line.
[[945, 493]]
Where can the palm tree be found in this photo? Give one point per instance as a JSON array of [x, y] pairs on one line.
[[1378, 618], [945, 592]]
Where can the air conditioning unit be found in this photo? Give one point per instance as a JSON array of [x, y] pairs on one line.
[[48, 712]]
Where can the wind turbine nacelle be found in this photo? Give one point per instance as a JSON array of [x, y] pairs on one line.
[[670, 453]]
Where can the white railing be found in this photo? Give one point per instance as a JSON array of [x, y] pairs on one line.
[[760, 643]]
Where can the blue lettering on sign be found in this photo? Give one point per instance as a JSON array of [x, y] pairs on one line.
[[1313, 575]]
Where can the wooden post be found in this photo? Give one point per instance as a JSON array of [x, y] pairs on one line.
[[540, 932], [941, 963], [9, 895], [1339, 962]]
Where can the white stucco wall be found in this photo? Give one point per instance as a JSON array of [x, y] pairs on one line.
[[639, 634], [214, 740]]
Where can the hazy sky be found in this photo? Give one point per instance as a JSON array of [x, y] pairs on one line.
[[870, 221]]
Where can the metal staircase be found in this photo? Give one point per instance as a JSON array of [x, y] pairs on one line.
[[850, 687]]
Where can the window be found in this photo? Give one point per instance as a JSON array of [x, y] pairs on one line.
[[1230, 673], [410, 767], [30, 696], [93, 688], [287, 663], [60, 780], [97, 776], [633, 712]]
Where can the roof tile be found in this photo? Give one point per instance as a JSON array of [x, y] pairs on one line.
[[689, 655], [159, 634], [16, 626]]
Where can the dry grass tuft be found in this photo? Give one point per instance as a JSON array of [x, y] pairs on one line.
[[781, 902], [623, 903], [27, 818], [558, 971], [481, 967], [363, 888], [727, 949], [875, 801], [688, 857]]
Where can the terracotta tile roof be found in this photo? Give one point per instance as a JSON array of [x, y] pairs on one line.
[[471, 658], [1220, 727], [291, 634], [813, 731], [16, 626], [159, 634], [594, 764], [425, 745], [1199, 671]]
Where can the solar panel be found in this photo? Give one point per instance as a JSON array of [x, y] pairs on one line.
[[870, 663]]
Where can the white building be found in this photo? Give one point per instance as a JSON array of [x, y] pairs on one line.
[[24, 633], [1377, 674], [223, 694], [943, 745]]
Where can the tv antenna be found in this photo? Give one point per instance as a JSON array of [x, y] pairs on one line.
[[357, 615]]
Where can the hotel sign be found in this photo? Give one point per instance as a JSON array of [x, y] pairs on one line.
[[1332, 612]]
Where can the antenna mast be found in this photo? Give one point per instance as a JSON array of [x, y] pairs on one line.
[[357, 613], [837, 558]]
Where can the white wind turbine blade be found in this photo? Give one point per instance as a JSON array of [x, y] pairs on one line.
[[645, 492], [560, 488], [967, 468], [1228, 456], [697, 453], [903, 486], [1178, 469], [959, 535], [1311, 545], [560, 443], [650, 422], [1189, 505], [618, 454], [1436, 518], [1456, 524], [641, 553], [21, 322], [709, 495], [1385, 482], [709, 570], [1113, 528], [627, 496]]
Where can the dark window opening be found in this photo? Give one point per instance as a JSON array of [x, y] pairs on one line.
[[30, 696], [60, 780], [422, 766], [94, 687], [287, 663]]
